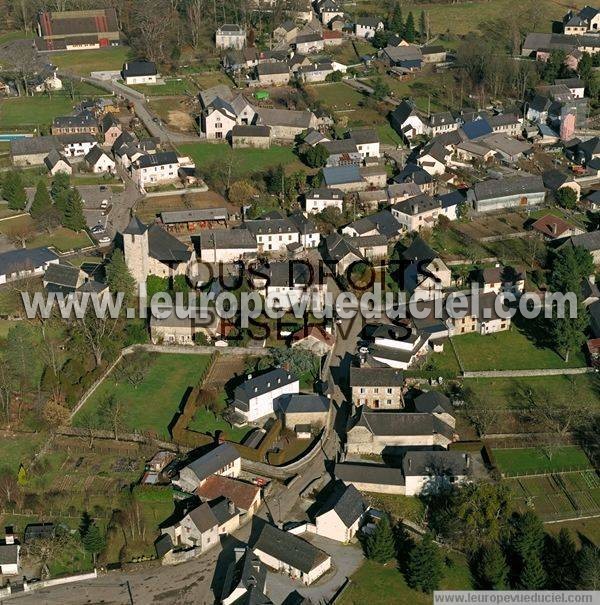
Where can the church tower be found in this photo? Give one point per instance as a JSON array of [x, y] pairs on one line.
[[136, 250]]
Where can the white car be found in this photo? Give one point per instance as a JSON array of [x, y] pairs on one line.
[[104, 241]]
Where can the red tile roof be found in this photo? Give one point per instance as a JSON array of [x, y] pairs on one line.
[[316, 332], [551, 226], [240, 493]]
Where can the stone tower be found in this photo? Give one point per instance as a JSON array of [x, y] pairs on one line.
[[136, 250]]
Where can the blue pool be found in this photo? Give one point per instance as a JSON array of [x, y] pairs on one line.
[[13, 137]]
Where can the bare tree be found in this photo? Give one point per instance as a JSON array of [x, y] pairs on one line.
[[20, 234], [10, 491]]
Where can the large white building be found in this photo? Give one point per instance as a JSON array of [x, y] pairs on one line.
[[155, 169], [317, 200]]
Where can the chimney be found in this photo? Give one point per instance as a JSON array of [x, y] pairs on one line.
[[409, 463], [592, 279], [10, 535], [249, 376], [553, 228], [467, 460], [231, 507], [415, 208]]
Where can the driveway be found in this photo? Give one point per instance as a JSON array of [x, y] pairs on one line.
[[345, 560]]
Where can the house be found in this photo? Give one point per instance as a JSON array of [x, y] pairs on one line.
[[425, 275], [314, 339], [406, 121], [506, 123], [246, 497], [342, 152], [510, 192], [418, 212], [285, 32], [77, 30], [398, 192], [77, 145], [345, 178], [273, 233], [452, 202], [310, 43], [333, 37], [150, 250], [413, 173], [24, 263], [258, 396], [342, 514], [372, 248], [273, 74], [286, 124], [480, 315], [56, 162], [226, 245], [586, 20], [381, 223], [32, 151], [220, 116], [427, 472], [590, 241], [436, 403], [506, 148], [289, 554], [372, 478], [9, 554], [246, 580], [230, 36], [310, 236], [223, 460], [111, 129], [328, 10], [99, 162], [340, 253], [366, 141], [433, 54], [365, 27], [592, 200], [555, 180], [254, 136], [554, 227], [171, 329], [503, 279], [63, 278], [473, 151], [396, 346], [45, 81], [82, 123], [433, 159], [373, 432], [576, 86], [139, 72], [377, 388], [317, 200], [155, 169], [315, 72], [407, 57], [309, 409]]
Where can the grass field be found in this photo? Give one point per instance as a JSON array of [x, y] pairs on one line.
[[172, 87], [243, 161], [383, 584], [18, 449], [205, 422], [398, 507], [531, 461], [154, 403], [29, 113], [582, 530], [83, 62], [508, 350], [337, 95]]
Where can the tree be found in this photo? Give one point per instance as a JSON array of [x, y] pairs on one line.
[[156, 28], [94, 541], [20, 350], [118, 276], [423, 27], [22, 479], [396, 21], [55, 414], [111, 412], [560, 558], [588, 564], [60, 191], [42, 210], [424, 569], [10, 490], [555, 66], [13, 190], [380, 545], [381, 89], [134, 368], [95, 334], [316, 157], [334, 76], [410, 32], [528, 536], [155, 285], [20, 234], [241, 192], [533, 576], [380, 38], [275, 180], [566, 197], [491, 568], [73, 216]]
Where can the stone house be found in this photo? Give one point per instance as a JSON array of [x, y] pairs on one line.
[[377, 388], [230, 36]]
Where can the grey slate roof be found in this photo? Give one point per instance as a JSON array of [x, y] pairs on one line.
[[165, 247], [22, 259], [134, 69], [301, 403], [324, 193], [259, 385], [157, 159], [495, 188], [590, 241], [248, 573], [376, 377], [62, 275], [416, 205], [419, 250], [369, 473], [433, 402], [53, 158], [213, 461], [9, 554], [347, 502], [290, 549], [390, 424], [436, 463], [251, 130], [203, 517], [135, 227], [200, 214], [227, 239], [339, 175], [34, 145]]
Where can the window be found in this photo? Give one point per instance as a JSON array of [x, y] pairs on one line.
[[389, 391]]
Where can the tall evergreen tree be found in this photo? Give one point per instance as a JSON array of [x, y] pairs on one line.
[[396, 21], [42, 204], [410, 32], [588, 565], [60, 191], [13, 190], [423, 29], [560, 556], [118, 277], [380, 546], [528, 536], [73, 217], [425, 568], [533, 576], [93, 541], [492, 568]]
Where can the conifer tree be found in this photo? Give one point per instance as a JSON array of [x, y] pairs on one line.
[[93, 541], [492, 569], [42, 204], [533, 576], [118, 277], [425, 568], [410, 32], [13, 190], [73, 216], [380, 546]]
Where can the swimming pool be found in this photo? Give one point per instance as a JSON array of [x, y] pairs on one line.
[[5, 138]]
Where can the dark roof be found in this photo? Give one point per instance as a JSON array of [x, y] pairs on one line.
[[301, 403], [436, 463], [62, 275], [433, 402], [163, 545], [494, 188], [9, 554], [338, 247], [369, 473], [249, 573], [264, 383], [198, 214], [203, 517], [413, 173], [269, 69], [34, 145], [135, 227], [390, 424], [135, 69], [477, 128], [415, 205], [223, 510], [34, 531], [251, 130], [53, 158], [165, 247], [419, 250], [213, 461], [554, 179], [157, 159], [82, 120], [225, 239], [369, 21], [339, 175], [108, 121], [432, 50], [304, 224], [69, 23], [94, 154], [76, 138], [22, 259], [452, 198], [347, 502], [376, 377], [292, 550], [590, 241]]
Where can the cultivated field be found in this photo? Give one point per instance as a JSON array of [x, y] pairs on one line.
[[532, 461]]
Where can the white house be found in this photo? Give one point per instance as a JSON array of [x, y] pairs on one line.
[[226, 245], [23, 263], [366, 141], [365, 27], [230, 36], [417, 212], [397, 346], [155, 169], [99, 161], [77, 145], [222, 460], [257, 396], [291, 555], [406, 121], [317, 200], [139, 72], [56, 162], [273, 233], [310, 236], [427, 472], [342, 514]]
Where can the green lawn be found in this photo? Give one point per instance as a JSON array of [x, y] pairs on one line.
[[18, 449], [29, 113], [173, 87], [531, 461], [82, 62], [399, 507], [62, 239], [154, 403], [205, 422], [13, 35], [509, 350], [243, 161], [337, 95], [380, 585]]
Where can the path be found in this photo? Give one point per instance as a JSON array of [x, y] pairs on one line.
[[523, 373]]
